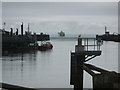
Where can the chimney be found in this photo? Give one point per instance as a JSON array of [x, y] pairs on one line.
[[22, 29], [17, 31], [11, 33]]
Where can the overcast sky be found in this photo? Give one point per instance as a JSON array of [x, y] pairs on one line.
[[38, 9], [61, 15], [59, 0]]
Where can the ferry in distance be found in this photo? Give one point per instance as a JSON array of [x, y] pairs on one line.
[[61, 33]]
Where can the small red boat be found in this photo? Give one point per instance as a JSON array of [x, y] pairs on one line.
[[45, 46]]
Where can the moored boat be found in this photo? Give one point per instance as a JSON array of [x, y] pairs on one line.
[[45, 46]]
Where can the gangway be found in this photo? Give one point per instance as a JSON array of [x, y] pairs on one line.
[[86, 50]]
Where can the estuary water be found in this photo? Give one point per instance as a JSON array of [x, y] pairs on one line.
[[51, 69]]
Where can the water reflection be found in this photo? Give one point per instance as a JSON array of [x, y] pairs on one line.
[[19, 62]]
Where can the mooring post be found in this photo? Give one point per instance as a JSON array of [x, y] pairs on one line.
[[78, 85]]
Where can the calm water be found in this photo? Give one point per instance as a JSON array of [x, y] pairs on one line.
[[51, 69]]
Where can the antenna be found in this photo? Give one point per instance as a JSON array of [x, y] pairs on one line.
[[4, 24], [28, 27]]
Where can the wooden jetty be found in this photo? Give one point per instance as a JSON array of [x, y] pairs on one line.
[[108, 37], [101, 81]]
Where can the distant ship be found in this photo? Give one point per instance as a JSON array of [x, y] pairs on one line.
[[61, 33]]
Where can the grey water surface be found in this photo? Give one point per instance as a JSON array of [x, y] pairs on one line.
[[51, 69]]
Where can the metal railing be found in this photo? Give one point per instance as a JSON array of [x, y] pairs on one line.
[[91, 44]]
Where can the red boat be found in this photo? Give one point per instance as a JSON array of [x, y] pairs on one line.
[[45, 46]]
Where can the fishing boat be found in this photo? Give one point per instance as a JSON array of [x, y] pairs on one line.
[[45, 46]]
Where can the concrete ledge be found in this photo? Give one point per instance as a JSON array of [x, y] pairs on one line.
[[14, 87]]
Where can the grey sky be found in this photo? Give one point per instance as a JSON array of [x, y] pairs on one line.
[[67, 16], [0, 15], [54, 8], [60, 0]]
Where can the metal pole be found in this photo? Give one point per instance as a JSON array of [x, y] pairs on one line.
[[94, 44], [87, 44]]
